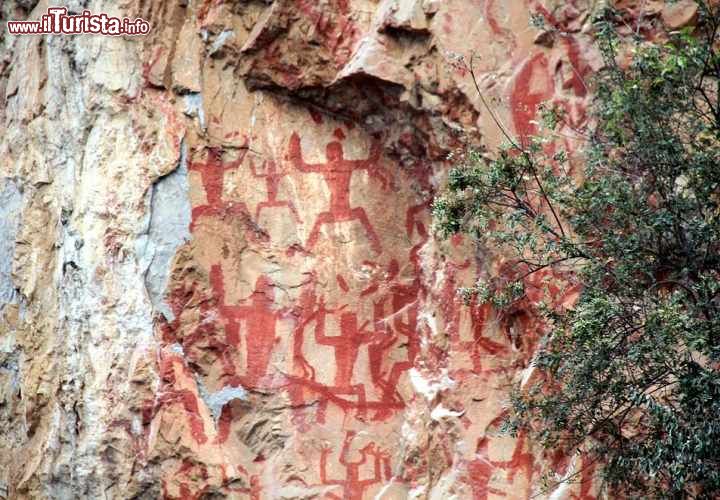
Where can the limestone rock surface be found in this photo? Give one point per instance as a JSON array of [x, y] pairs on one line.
[[218, 275]]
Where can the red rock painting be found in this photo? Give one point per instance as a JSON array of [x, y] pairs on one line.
[[212, 174], [337, 173], [326, 337], [353, 486], [346, 344], [259, 316], [272, 178]]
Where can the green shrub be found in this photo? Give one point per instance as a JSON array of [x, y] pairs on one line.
[[631, 374]]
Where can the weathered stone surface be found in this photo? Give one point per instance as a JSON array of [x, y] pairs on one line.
[[168, 228], [227, 282], [11, 202], [680, 14]]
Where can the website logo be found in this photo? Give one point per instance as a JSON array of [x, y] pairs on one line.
[[56, 21]]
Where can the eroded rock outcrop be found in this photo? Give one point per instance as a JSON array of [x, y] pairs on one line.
[[217, 271]]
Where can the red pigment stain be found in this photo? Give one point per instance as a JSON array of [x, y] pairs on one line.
[[524, 101], [337, 172]]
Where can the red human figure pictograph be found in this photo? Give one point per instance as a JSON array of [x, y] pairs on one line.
[[412, 219], [212, 173], [559, 79], [453, 307], [272, 181], [480, 472], [402, 301], [305, 312], [260, 317], [580, 68], [337, 172], [587, 476], [414, 222], [520, 461], [310, 317], [480, 344], [352, 485], [347, 347], [503, 33], [193, 482], [533, 84]]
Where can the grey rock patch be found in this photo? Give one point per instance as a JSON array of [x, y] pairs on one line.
[[194, 107], [177, 349], [217, 400], [219, 42], [10, 207], [169, 228]]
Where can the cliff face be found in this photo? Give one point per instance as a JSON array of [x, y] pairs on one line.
[[217, 272]]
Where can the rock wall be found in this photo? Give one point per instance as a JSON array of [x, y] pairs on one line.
[[218, 277]]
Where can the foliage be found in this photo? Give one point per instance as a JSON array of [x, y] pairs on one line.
[[631, 371]]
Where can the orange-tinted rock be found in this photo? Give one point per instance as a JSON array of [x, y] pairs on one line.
[[680, 14], [224, 281]]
